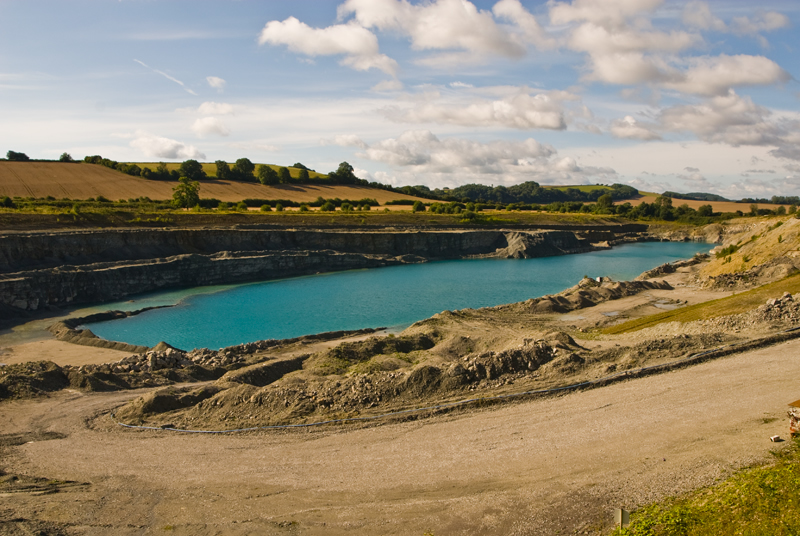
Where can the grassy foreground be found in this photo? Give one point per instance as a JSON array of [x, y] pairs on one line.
[[738, 303], [758, 501]]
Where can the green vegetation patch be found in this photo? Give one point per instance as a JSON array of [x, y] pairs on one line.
[[757, 501], [738, 303]]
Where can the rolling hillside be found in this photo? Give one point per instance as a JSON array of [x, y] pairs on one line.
[[82, 181]]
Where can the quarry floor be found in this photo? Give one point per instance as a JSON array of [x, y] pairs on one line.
[[549, 466]]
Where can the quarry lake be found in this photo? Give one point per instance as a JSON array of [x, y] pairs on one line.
[[396, 296]]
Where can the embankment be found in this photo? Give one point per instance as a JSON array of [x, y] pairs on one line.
[[42, 270]]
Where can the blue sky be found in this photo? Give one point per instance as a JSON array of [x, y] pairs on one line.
[[679, 95]]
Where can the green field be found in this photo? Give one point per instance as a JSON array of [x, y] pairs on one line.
[[211, 168]]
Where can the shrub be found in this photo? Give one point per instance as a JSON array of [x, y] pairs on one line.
[[278, 207], [265, 208], [328, 207]]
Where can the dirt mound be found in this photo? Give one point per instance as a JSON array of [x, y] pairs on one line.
[[672, 267], [768, 272], [34, 378], [165, 400], [588, 293]]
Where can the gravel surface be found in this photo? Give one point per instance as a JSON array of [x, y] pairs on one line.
[[548, 466]]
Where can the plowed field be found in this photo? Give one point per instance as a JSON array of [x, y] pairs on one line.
[[82, 181]]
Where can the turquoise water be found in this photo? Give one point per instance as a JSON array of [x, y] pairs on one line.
[[215, 317]]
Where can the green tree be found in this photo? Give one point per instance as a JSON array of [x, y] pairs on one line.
[[303, 208], [266, 175], [191, 170], [605, 202], [223, 170], [65, 157], [284, 176], [418, 206], [327, 207], [186, 194], [344, 174], [705, 211], [265, 208], [17, 157], [278, 207], [303, 178], [244, 169]]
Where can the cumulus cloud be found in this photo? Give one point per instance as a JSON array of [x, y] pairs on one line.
[[160, 147], [437, 25], [730, 119], [206, 126], [358, 45], [532, 32], [457, 160], [521, 111], [603, 12], [623, 47], [216, 82], [629, 128], [716, 75]]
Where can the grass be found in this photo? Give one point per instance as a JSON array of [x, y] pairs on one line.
[[756, 501], [738, 303]]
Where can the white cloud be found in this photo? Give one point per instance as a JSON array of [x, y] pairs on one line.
[[159, 147], [358, 45], [716, 75], [205, 126], [168, 77], [513, 11], [449, 25], [698, 15], [459, 161], [762, 22], [215, 108], [346, 140], [604, 12], [388, 85], [459, 85], [521, 111], [629, 128], [216, 82], [730, 119]]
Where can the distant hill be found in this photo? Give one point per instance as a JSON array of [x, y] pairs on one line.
[[81, 181], [696, 196], [527, 192]]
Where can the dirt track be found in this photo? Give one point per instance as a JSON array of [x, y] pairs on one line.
[[528, 468]]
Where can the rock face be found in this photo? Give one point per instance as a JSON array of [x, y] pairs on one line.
[[46, 269]]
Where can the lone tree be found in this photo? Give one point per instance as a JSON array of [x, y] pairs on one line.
[[14, 156], [192, 170], [344, 174], [186, 194], [303, 177], [65, 157]]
